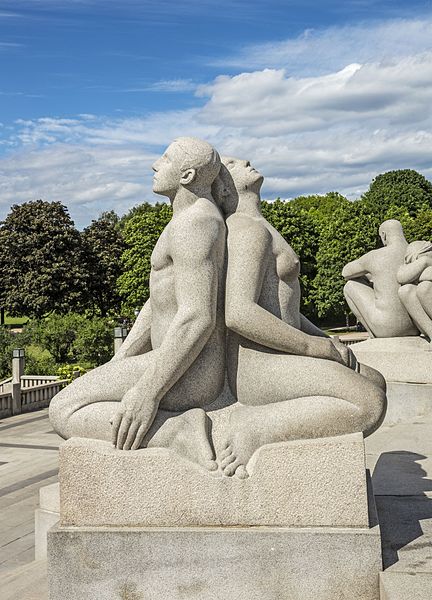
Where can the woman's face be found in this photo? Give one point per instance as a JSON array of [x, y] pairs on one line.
[[244, 176]]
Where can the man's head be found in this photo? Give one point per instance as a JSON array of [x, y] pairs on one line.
[[187, 162], [391, 231]]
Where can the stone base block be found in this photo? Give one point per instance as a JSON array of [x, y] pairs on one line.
[[407, 401], [304, 483], [256, 563], [402, 359], [46, 516]]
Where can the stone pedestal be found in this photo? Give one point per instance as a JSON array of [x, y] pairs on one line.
[[217, 563], [150, 525], [406, 364], [46, 516]]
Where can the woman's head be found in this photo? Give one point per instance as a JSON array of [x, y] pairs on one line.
[[417, 249], [245, 177]]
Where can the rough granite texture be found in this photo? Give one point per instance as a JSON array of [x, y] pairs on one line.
[[402, 359], [214, 564], [304, 483]]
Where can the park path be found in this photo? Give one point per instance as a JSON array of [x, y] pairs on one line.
[[28, 461]]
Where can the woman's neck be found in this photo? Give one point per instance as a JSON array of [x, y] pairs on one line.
[[249, 203]]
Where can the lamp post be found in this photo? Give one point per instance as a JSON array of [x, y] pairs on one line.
[[18, 364], [120, 334]]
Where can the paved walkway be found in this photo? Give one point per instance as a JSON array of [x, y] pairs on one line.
[[400, 458], [28, 461]]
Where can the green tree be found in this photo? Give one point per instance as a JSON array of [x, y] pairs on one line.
[[94, 342], [103, 247], [141, 232], [405, 189], [350, 232], [300, 230], [41, 260]]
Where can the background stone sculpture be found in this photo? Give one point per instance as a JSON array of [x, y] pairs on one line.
[[415, 279], [372, 289]]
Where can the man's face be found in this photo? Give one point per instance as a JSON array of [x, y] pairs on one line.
[[167, 168]]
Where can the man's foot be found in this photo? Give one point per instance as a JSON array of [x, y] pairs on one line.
[[188, 435]]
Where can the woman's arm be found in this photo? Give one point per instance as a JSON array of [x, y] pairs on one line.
[[249, 249], [411, 272]]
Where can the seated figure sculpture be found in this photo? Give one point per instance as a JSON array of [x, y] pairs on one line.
[[372, 289], [173, 359], [287, 378], [415, 279], [291, 381]]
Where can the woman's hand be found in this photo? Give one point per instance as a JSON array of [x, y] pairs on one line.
[[346, 354]]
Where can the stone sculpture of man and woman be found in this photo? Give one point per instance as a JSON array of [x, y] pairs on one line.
[[224, 306], [389, 289]]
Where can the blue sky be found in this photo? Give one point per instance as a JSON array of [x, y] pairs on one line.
[[319, 95]]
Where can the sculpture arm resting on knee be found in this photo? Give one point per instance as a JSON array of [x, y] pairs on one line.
[[138, 340], [249, 249], [411, 272], [196, 282]]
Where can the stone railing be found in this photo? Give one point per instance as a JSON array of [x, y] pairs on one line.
[[28, 381], [6, 385], [5, 404], [39, 396]]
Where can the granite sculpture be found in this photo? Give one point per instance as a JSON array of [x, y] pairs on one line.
[[173, 360], [372, 289], [290, 379], [415, 279], [272, 465], [287, 379]]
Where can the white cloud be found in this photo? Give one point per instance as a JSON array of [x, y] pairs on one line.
[[318, 51], [332, 130], [167, 85]]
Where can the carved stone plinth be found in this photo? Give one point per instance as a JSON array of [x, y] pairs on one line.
[[304, 483]]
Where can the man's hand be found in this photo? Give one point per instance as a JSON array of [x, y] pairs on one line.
[[133, 419]]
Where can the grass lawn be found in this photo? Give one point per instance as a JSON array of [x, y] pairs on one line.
[[15, 321]]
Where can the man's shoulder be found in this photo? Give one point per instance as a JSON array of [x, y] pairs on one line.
[[241, 224], [200, 222]]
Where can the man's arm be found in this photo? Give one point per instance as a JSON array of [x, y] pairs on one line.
[[356, 269], [195, 269], [138, 340]]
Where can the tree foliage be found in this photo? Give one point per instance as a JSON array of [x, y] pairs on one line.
[[141, 232], [41, 260], [103, 247]]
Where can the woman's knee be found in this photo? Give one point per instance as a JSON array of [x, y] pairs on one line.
[[424, 292]]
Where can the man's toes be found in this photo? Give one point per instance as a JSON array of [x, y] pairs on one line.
[[231, 469], [241, 472], [228, 460]]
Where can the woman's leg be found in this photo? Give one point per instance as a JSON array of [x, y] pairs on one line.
[[285, 397], [412, 297]]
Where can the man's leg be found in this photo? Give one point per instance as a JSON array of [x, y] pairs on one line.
[[84, 408]]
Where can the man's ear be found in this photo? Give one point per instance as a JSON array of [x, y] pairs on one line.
[[188, 176]]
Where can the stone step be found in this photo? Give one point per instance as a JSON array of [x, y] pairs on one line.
[[405, 586], [27, 582]]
